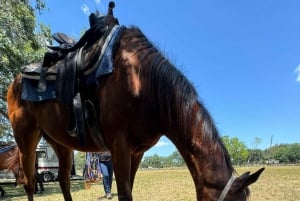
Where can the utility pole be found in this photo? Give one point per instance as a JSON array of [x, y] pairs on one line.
[[271, 142]]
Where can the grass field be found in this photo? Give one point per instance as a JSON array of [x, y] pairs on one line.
[[277, 183]]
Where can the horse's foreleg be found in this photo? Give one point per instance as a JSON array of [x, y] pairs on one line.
[[135, 162], [122, 167]]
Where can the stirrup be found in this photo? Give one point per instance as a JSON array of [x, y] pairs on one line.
[[92, 124]]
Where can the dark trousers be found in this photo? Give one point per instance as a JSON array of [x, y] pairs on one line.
[[39, 180]]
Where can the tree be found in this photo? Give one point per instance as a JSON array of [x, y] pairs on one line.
[[79, 159], [293, 153], [285, 153], [237, 149], [154, 161], [256, 142], [176, 159], [22, 41], [255, 156]]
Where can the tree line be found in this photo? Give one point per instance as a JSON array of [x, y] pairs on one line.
[[239, 152], [240, 155]]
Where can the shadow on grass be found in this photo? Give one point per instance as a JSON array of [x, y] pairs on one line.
[[13, 192]]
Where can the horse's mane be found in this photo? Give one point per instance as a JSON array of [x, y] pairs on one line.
[[170, 91]]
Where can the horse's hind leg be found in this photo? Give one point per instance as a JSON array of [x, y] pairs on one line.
[[65, 166], [26, 133], [64, 156], [27, 146]]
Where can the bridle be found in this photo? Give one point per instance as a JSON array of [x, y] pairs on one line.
[[226, 188]]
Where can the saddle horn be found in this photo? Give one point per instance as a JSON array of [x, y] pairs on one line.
[[110, 19], [111, 6]]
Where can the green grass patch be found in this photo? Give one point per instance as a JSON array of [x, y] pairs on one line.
[[277, 183]]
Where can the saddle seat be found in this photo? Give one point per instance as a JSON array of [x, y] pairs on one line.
[[108, 45], [33, 70], [65, 42]]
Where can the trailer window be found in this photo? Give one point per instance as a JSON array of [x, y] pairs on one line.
[[41, 154]]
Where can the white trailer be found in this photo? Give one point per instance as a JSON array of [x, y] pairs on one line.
[[47, 161]]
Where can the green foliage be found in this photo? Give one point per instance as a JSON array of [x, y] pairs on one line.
[[79, 160], [255, 156], [240, 154], [285, 153], [155, 161], [22, 41], [237, 149], [176, 159]]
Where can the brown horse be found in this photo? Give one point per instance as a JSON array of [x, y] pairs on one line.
[[144, 98], [9, 157]]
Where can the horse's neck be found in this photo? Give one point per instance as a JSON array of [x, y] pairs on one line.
[[216, 169], [206, 152]]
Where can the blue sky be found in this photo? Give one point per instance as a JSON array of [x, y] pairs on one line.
[[243, 57]]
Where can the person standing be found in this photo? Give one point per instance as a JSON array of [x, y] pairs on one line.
[[107, 172], [38, 177]]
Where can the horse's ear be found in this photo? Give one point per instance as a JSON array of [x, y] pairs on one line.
[[247, 179]]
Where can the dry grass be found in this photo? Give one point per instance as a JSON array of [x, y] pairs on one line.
[[276, 184]]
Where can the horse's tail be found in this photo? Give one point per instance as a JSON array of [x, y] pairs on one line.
[[13, 95], [13, 160], [13, 165]]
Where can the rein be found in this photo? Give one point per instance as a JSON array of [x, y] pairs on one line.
[[226, 188]]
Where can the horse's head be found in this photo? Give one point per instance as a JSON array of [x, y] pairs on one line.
[[237, 187]]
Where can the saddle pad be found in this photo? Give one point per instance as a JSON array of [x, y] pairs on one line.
[[107, 54], [30, 93], [32, 71]]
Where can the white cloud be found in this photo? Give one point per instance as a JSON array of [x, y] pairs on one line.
[[85, 9], [161, 144], [297, 71], [98, 2]]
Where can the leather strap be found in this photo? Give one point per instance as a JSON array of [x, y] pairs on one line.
[[226, 188]]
